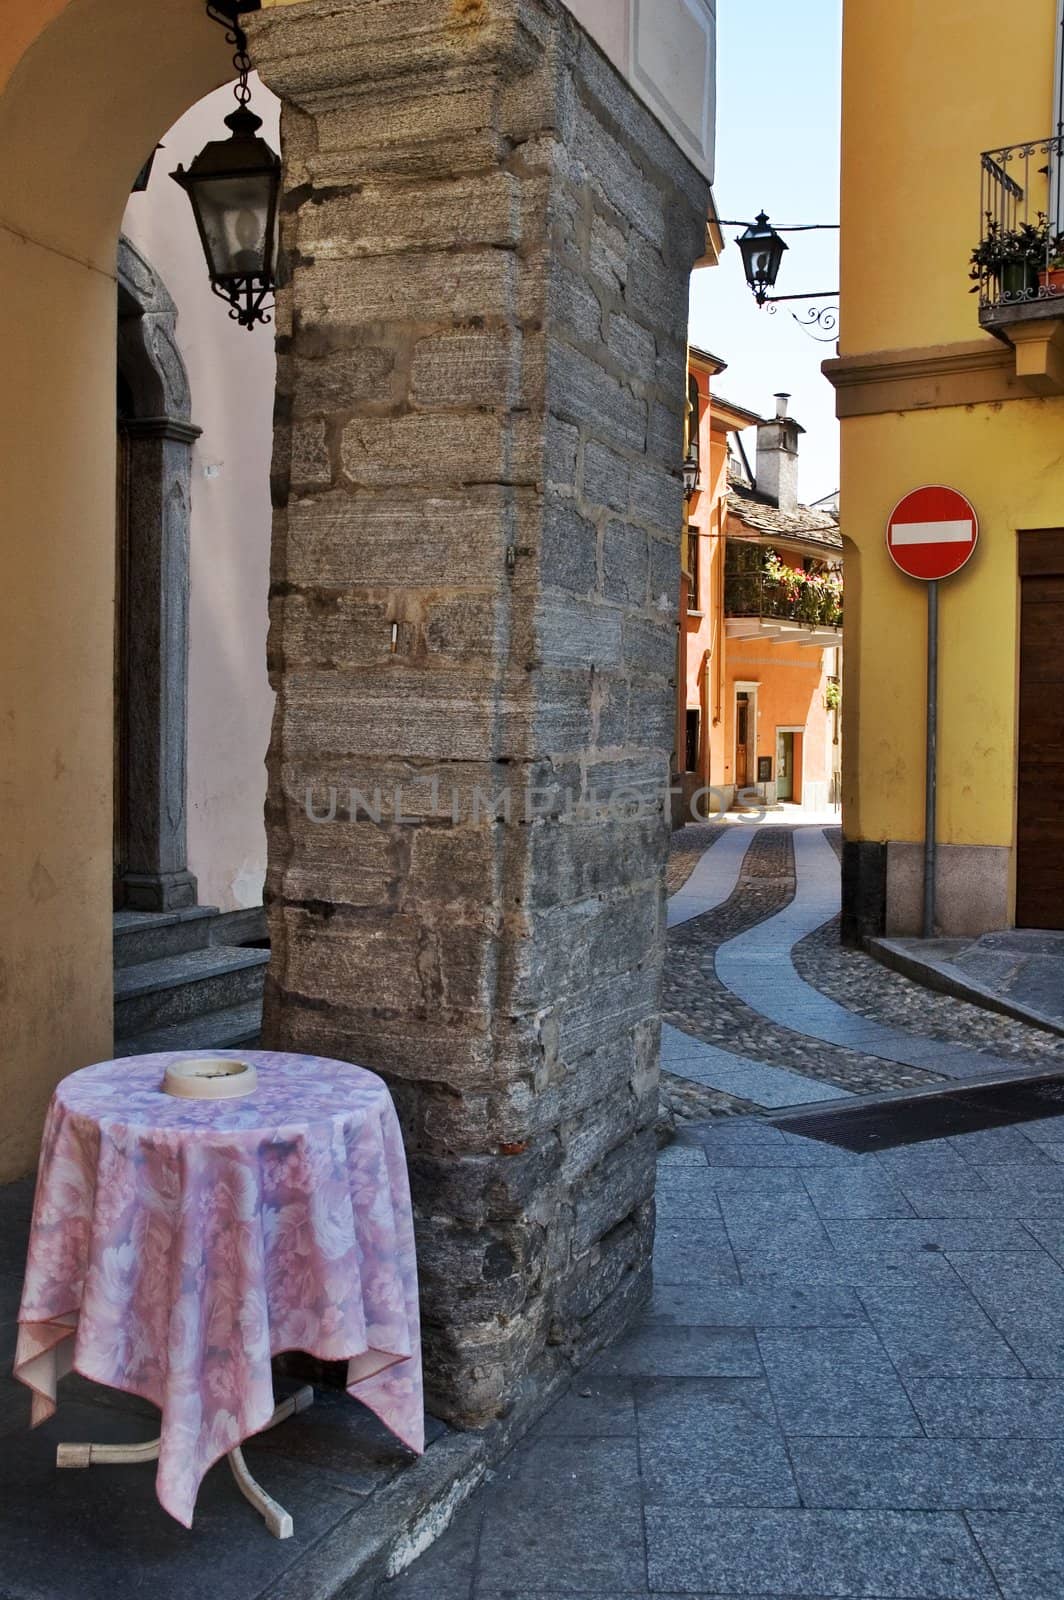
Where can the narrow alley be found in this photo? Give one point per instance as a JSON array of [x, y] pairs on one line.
[[850, 1381]]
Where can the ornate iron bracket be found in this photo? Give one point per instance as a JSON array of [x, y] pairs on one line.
[[824, 318]]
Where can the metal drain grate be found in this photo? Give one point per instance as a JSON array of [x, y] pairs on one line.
[[913, 1119]]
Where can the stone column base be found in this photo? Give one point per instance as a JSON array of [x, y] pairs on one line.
[[158, 891], [883, 889], [971, 889]]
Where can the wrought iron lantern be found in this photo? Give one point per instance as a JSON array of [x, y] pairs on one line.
[[762, 250], [234, 185], [690, 474]]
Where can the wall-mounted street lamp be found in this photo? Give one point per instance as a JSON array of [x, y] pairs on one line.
[[762, 251], [761, 247], [690, 474], [234, 185]]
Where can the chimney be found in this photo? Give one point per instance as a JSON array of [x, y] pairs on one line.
[[777, 457]]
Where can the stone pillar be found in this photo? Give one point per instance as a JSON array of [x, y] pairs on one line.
[[155, 875], [482, 347]]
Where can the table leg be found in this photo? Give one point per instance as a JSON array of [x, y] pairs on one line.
[[277, 1519], [105, 1455]]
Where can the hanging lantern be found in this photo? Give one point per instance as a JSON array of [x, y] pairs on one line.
[[762, 251], [234, 185]]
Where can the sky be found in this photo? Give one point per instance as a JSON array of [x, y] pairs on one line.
[[778, 84]]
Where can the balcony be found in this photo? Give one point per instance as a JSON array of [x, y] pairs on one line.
[[788, 611], [1018, 265]]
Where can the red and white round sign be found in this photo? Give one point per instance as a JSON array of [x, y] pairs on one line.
[[932, 532]]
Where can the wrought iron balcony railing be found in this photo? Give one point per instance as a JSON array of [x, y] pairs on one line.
[[1019, 261], [753, 594]]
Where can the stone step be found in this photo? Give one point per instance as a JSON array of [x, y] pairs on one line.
[[232, 1029], [177, 988], [245, 927], [143, 936]]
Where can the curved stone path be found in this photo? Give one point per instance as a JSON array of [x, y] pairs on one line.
[[756, 966], [714, 879]]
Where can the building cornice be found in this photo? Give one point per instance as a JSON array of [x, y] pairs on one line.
[[974, 372]]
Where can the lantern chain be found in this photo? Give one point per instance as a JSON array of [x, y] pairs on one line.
[[227, 16]]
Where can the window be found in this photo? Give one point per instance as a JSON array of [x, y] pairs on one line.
[[694, 576], [691, 741]]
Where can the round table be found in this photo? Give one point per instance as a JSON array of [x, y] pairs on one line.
[[177, 1245]]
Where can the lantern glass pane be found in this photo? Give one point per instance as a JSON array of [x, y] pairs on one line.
[[234, 213]]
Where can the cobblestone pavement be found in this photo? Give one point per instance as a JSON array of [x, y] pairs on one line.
[[883, 1012], [863, 985], [697, 1002], [850, 1383], [756, 965], [858, 982]]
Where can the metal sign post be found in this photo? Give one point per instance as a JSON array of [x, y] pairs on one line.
[[931, 533], [931, 765]]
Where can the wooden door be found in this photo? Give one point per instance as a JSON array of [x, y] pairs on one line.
[[742, 742], [1040, 774]]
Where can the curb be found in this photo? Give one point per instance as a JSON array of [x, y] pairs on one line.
[[944, 979]]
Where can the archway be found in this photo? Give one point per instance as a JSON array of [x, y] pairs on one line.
[[442, 608]]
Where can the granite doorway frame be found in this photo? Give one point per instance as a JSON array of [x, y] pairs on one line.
[[151, 614]]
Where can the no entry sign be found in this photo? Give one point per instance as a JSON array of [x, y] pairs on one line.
[[932, 532]]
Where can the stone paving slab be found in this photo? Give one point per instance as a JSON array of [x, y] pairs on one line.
[[683, 1352], [1025, 1551], [694, 1250], [596, 1545], [836, 1553], [929, 1474], [101, 1532], [790, 1306], [944, 1335], [891, 1236], [714, 878], [835, 1381], [772, 1087], [989, 1408], [696, 1439]]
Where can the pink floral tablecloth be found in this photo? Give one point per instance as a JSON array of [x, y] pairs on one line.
[[177, 1244]]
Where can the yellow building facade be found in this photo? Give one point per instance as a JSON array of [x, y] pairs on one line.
[[938, 385]]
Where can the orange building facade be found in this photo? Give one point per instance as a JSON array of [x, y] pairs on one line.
[[760, 644]]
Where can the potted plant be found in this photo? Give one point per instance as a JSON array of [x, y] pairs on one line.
[[1051, 276], [1011, 258]]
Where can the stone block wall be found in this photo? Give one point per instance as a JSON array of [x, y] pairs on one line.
[[473, 631]]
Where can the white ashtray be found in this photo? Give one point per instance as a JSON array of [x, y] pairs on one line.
[[210, 1078]]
